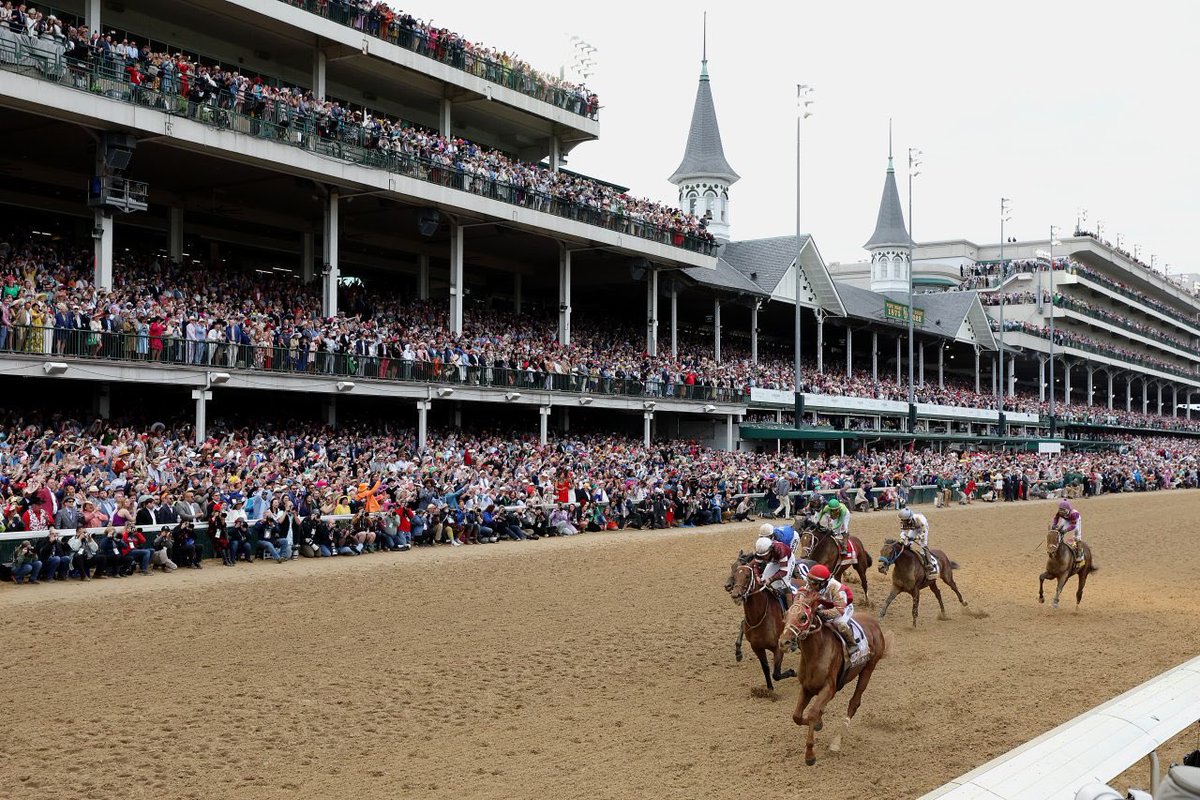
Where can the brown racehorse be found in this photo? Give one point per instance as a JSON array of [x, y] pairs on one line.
[[764, 618], [822, 548], [1061, 565], [822, 660], [910, 576]]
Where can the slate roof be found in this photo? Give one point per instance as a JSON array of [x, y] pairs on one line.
[[704, 156], [889, 227], [726, 277], [768, 260], [947, 308]]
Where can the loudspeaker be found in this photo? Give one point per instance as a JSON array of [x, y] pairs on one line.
[[428, 220]]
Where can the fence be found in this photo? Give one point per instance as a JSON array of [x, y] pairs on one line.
[[324, 135]]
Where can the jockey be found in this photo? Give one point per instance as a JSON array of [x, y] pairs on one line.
[[786, 534], [914, 530], [774, 563], [839, 522], [1069, 523], [834, 606], [814, 506]]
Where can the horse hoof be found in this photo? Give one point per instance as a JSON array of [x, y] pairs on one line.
[[738, 655], [1041, 600], [810, 761], [818, 726]]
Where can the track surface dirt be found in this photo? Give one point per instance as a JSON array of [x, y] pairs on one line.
[[594, 667]]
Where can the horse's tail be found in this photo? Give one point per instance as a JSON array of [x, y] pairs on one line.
[[955, 565], [1093, 568], [870, 561]]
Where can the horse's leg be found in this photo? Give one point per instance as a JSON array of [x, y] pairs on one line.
[[791, 673], [892, 596], [762, 659], [1041, 581], [1083, 573], [864, 678], [916, 596], [938, 594], [737, 646], [861, 569], [948, 579], [1062, 581], [815, 722]]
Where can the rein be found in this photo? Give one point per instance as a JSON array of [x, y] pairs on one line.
[[750, 590]]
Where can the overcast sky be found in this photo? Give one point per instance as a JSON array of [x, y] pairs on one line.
[[1058, 105]]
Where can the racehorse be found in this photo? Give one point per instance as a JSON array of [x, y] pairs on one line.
[[910, 576], [823, 666], [764, 618], [1061, 565], [818, 542]]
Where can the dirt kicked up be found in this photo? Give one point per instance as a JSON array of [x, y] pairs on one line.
[[599, 666]]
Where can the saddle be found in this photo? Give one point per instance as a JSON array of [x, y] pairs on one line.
[[864, 651], [849, 555]]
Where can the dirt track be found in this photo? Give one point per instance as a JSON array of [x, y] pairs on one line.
[[595, 667]]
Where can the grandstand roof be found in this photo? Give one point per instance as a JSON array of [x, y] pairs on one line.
[[727, 277], [704, 156], [768, 263], [952, 315], [889, 227]]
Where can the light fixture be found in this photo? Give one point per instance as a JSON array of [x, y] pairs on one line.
[[445, 391], [585, 401], [708, 409], [649, 405], [54, 368], [345, 386], [218, 378], [510, 396]]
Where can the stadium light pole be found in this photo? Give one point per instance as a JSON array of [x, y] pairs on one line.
[[803, 101], [914, 169], [1005, 217]]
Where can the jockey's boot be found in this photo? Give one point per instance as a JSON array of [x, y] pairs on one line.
[[930, 562], [852, 647]]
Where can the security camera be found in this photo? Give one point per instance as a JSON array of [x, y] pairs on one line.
[[97, 233]]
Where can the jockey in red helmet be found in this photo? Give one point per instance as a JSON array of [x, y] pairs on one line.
[[835, 607]]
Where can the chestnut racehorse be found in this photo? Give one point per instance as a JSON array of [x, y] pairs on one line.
[[910, 576], [821, 666], [764, 618], [822, 548], [1061, 565]]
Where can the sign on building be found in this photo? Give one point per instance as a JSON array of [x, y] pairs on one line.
[[899, 312]]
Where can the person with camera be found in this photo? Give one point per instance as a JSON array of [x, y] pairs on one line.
[[85, 554], [133, 545], [317, 530], [26, 564], [162, 551], [268, 538], [117, 565], [238, 544], [184, 550], [55, 556]]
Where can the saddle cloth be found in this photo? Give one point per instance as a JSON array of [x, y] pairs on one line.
[[860, 639], [849, 553]]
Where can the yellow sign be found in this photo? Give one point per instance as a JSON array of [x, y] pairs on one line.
[[899, 311]]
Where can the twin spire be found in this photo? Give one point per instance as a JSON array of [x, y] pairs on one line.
[[704, 156], [890, 230]]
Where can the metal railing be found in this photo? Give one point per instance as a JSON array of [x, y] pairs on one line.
[[296, 358], [1065, 341], [1120, 320], [453, 54], [325, 135], [1087, 274]]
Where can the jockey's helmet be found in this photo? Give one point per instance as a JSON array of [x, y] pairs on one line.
[[906, 515], [819, 575], [834, 506], [763, 546], [767, 530], [1064, 508]]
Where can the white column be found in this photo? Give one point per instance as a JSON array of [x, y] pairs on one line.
[[899, 380], [201, 397], [423, 407], [849, 350], [753, 332], [1174, 400], [652, 311], [729, 432], [1012, 376], [457, 414], [319, 64], [517, 287], [543, 423], [329, 271], [564, 295], [566, 419], [92, 15], [1160, 402], [102, 233], [1189, 403], [647, 421], [555, 153], [995, 377], [717, 329], [331, 412], [1145, 396], [1042, 378], [308, 250], [444, 117], [820, 342], [1090, 383], [422, 277], [921, 364], [175, 234], [1110, 388], [674, 318], [1066, 382], [456, 278], [941, 365], [977, 387], [1129, 392]]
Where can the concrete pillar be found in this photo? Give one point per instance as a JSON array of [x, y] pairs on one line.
[[103, 403], [977, 385], [995, 377], [729, 432], [647, 421], [444, 117], [941, 366], [331, 412], [457, 415], [555, 153], [1189, 404], [921, 364], [1090, 388], [319, 64], [92, 15], [201, 397], [899, 379], [1145, 396], [717, 329], [674, 318], [1110, 389], [565, 425], [652, 311], [1174, 400], [1066, 382], [1129, 392], [1012, 375], [102, 234], [423, 407], [422, 277], [456, 278], [820, 341], [329, 270], [1042, 378], [875, 356], [517, 287], [543, 423], [308, 250], [849, 350], [175, 234], [753, 332], [1160, 402], [564, 295]]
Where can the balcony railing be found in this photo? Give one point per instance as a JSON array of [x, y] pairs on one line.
[[453, 54], [296, 358], [1123, 321], [324, 136]]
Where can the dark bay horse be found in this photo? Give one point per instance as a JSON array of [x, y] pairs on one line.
[[764, 619], [910, 576], [822, 548], [1061, 566], [822, 663]]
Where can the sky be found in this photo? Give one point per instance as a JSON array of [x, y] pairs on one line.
[[1065, 107]]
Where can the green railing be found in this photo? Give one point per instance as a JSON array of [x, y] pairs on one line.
[[452, 54], [295, 358], [323, 135]]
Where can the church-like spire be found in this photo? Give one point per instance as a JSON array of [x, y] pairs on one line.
[[704, 156], [890, 230]]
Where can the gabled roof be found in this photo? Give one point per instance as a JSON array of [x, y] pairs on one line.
[[704, 156], [958, 316], [769, 263], [726, 277], [889, 227]]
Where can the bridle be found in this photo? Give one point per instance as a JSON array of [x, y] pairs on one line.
[[753, 586], [812, 624], [888, 560]]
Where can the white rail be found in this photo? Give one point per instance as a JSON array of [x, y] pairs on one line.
[[1094, 747]]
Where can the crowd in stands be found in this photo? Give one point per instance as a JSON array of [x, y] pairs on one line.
[[1122, 320], [126, 497], [380, 20], [1071, 338], [1189, 316]]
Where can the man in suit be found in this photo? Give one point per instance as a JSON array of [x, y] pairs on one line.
[[187, 509]]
